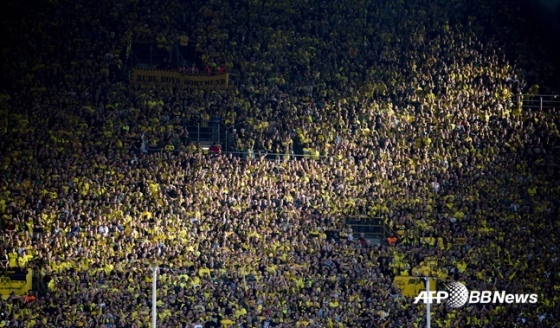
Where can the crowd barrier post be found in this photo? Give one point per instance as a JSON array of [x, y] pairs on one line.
[[539, 101], [226, 144], [154, 296], [175, 54], [428, 305]]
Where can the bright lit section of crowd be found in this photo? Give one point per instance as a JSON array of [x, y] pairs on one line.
[[411, 111]]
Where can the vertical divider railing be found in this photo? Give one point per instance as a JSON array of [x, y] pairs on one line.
[[175, 55], [226, 139], [4, 114]]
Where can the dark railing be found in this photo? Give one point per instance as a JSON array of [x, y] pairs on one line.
[[247, 154], [207, 131], [369, 226], [148, 54], [542, 102]]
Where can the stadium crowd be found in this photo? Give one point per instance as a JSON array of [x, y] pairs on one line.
[[412, 113]]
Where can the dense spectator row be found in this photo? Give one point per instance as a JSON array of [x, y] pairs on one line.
[[412, 107]]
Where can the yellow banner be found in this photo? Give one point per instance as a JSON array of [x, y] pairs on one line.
[[171, 78], [412, 286], [15, 280]]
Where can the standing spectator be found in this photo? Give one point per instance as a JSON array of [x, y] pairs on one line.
[[392, 240], [363, 242], [216, 121], [267, 322], [215, 149]]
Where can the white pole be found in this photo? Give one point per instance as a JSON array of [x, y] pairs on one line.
[[154, 296], [428, 305]]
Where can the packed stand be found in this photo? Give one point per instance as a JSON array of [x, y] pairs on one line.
[[409, 109]]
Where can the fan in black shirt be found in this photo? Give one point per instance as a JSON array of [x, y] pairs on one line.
[[266, 323], [213, 323]]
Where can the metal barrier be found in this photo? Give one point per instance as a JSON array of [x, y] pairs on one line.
[[247, 154], [148, 54], [369, 226], [210, 131], [542, 102]]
